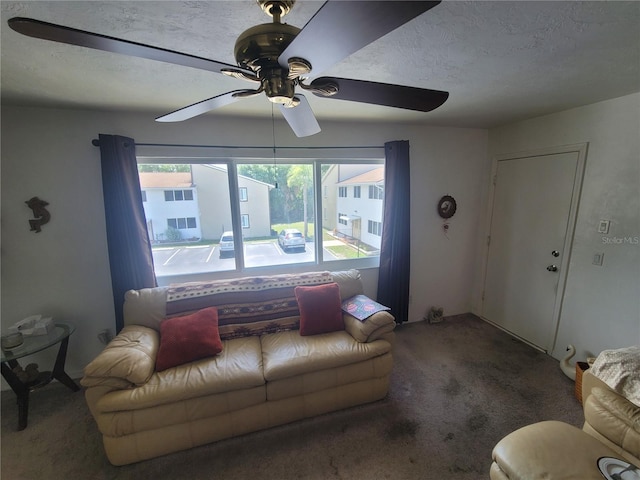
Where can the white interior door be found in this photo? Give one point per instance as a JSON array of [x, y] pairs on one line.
[[532, 207]]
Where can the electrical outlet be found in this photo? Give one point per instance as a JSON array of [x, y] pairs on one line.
[[105, 336]]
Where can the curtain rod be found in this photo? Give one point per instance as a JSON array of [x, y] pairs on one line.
[[96, 143]]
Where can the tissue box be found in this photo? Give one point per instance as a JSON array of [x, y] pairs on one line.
[[34, 325], [42, 327]]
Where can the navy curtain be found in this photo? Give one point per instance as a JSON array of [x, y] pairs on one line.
[[130, 255], [394, 272]]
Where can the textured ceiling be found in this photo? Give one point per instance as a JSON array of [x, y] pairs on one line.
[[501, 61]]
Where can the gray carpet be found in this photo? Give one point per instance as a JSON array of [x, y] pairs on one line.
[[457, 388]]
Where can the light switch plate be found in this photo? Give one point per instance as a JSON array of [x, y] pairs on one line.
[[603, 226], [598, 258]]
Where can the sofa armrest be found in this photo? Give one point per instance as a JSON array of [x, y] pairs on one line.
[[373, 328], [128, 360], [615, 418]]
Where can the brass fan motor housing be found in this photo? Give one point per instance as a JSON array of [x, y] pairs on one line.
[[260, 46]]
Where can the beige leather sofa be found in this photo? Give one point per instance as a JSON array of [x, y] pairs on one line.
[[554, 450], [259, 380]]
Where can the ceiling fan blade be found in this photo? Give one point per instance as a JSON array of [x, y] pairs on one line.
[[301, 118], [341, 28], [399, 96], [72, 36], [205, 106]]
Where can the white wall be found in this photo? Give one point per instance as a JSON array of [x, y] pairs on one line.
[[601, 307], [63, 271]]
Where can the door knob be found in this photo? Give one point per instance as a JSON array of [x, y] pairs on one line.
[[552, 268]]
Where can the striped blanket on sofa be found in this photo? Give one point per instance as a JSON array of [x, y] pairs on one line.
[[246, 306]]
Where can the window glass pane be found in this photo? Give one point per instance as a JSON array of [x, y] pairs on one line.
[[186, 236], [276, 214], [349, 230], [288, 209]]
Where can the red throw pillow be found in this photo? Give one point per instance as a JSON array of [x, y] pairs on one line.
[[320, 309], [188, 338]]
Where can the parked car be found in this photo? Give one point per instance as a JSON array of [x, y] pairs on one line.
[[291, 238], [226, 245]]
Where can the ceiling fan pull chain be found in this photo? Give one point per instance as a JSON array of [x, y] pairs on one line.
[[273, 135]]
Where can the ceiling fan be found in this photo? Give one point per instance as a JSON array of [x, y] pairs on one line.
[[279, 58]]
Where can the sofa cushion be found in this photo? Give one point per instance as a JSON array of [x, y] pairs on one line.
[[237, 367], [188, 338], [128, 359], [307, 383], [146, 306], [349, 281], [550, 450], [615, 418], [320, 309], [286, 354]]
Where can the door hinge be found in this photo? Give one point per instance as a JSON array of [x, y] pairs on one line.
[[488, 240], [495, 179]]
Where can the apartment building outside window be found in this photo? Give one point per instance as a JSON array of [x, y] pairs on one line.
[[185, 224]]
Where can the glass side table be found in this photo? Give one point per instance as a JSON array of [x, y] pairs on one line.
[[33, 344]]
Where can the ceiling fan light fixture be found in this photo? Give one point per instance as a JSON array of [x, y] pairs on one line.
[[276, 8], [294, 102], [277, 86]]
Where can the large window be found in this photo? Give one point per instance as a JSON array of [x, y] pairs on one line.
[[271, 219]]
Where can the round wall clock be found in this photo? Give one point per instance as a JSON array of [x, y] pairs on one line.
[[447, 206]]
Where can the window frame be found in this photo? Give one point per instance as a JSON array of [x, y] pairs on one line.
[[159, 155], [376, 192], [185, 220], [174, 193]]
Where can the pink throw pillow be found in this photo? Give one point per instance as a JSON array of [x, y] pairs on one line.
[[320, 309], [188, 338]]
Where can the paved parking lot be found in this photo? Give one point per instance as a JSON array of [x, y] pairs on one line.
[[206, 258]]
